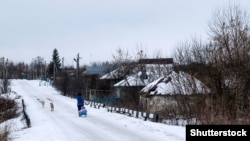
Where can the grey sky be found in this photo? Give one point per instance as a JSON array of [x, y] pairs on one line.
[[96, 29]]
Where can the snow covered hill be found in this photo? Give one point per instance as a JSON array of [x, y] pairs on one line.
[[64, 124]]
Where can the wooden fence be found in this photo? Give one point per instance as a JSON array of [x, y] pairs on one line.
[[132, 113]]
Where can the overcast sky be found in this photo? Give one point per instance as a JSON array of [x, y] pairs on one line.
[[97, 28]]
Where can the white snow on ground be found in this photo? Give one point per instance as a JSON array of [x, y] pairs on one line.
[[64, 124]]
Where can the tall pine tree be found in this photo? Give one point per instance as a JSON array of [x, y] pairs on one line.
[[55, 63]]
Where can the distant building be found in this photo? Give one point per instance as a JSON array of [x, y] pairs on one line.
[[156, 61], [100, 70]]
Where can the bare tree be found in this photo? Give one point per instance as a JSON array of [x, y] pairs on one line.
[[223, 65], [229, 32], [38, 66]]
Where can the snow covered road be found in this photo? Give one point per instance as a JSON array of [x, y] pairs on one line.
[[63, 124]]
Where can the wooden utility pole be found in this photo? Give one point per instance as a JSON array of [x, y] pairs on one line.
[[77, 64], [63, 63], [6, 69]]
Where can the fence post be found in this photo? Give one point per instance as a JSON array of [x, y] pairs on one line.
[[25, 114], [156, 117]]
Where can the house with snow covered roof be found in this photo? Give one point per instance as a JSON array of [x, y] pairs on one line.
[[171, 90], [146, 71], [110, 79]]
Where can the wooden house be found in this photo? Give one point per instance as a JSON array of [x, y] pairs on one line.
[[172, 90], [145, 72]]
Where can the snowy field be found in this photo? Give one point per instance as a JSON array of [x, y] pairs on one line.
[[64, 124]]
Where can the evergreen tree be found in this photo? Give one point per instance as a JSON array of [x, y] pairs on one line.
[[55, 63]]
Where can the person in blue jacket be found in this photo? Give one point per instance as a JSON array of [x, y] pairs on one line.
[[80, 101]]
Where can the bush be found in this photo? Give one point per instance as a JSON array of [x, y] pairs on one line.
[[8, 110], [4, 134]]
